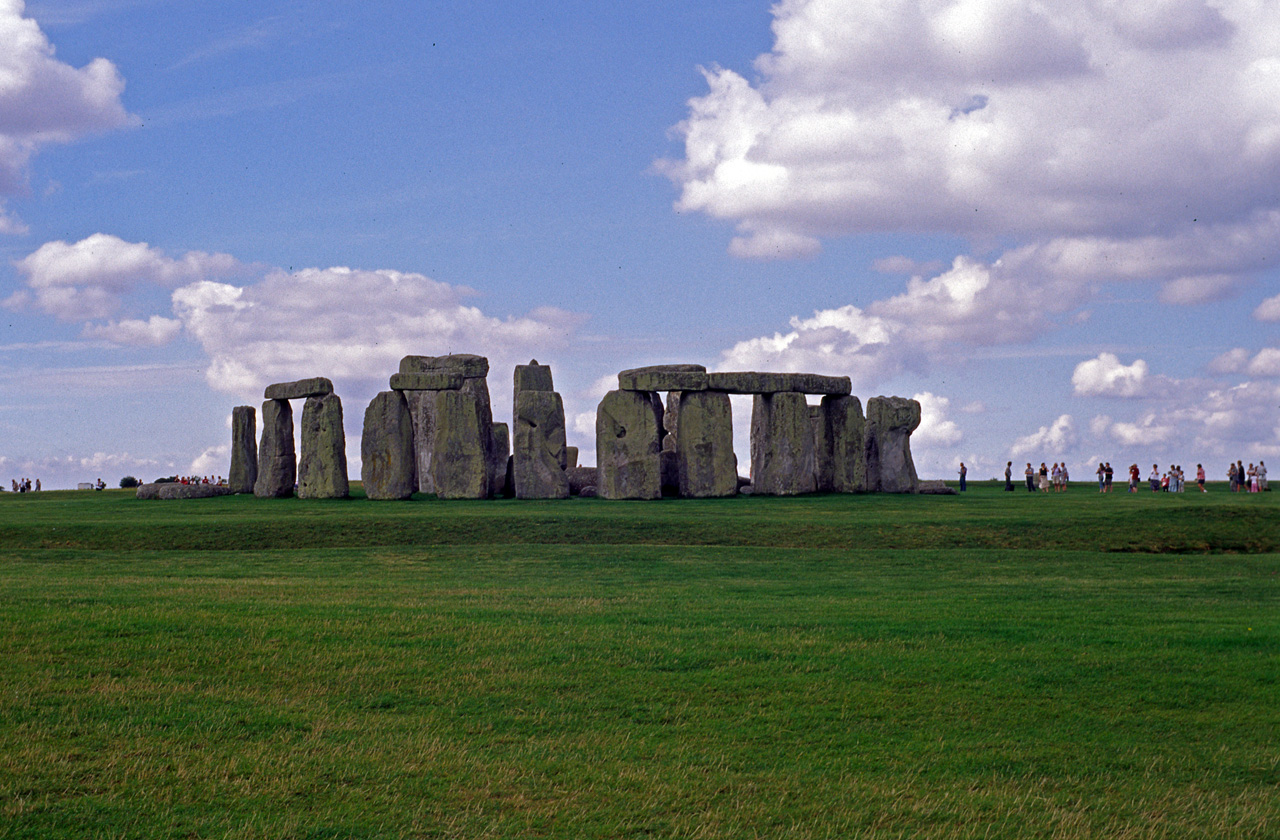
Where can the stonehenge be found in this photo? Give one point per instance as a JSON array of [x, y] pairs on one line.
[[665, 430]]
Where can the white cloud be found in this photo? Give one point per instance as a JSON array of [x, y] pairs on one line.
[[215, 460], [1268, 310], [1193, 291], [1105, 376], [88, 279], [1147, 431], [935, 429], [43, 100], [1232, 361], [1265, 363], [1055, 438], [154, 331]]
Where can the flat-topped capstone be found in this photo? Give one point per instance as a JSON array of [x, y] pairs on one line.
[[664, 378], [435, 380], [316, 386], [753, 382], [467, 364]]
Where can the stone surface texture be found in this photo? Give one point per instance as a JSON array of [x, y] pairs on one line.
[[244, 449], [570, 457], [422, 406], [317, 386], [887, 443], [461, 447], [532, 377], [499, 459], [580, 477], [839, 449], [751, 382], [322, 464], [435, 380], [539, 446], [628, 435], [663, 378], [277, 461], [190, 491], [386, 448], [705, 463], [782, 460], [147, 491], [469, 366]]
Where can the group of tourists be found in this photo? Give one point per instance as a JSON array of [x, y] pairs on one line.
[[1045, 480], [200, 479], [1251, 480], [23, 485], [1054, 479]]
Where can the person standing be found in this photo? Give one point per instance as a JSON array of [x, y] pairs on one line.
[[1109, 475], [1008, 476], [1231, 477], [963, 472], [1102, 478], [1200, 477], [1065, 477], [1044, 478], [1031, 478], [1155, 479], [1262, 476]]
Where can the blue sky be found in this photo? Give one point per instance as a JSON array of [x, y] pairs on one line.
[[1057, 228]]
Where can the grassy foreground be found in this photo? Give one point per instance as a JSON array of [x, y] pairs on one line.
[[990, 665]]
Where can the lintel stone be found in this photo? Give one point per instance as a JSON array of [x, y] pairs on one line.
[[317, 386], [752, 382], [664, 378], [435, 380], [467, 364]]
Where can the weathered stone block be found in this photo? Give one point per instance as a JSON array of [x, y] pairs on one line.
[[887, 436], [317, 386], [436, 380], [460, 450], [839, 446], [539, 456], [570, 457], [191, 491], [468, 365], [422, 407], [322, 467], [705, 463], [244, 449], [580, 477], [751, 382], [532, 377], [277, 460], [386, 448], [663, 378], [148, 491], [782, 462], [499, 457], [627, 446]]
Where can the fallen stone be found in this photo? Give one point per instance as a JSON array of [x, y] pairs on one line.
[[664, 378], [322, 467], [705, 463], [386, 448], [191, 491], [436, 380], [839, 446], [470, 366], [539, 450], [935, 488], [887, 443], [277, 461], [588, 492], [244, 449], [751, 382], [460, 457], [317, 386], [580, 477], [782, 462], [747, 490], [627, 446], [146, 491]]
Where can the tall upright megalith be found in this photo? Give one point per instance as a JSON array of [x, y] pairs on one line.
[[539, 451], [460, 458], [782, 461], [628, 444], [501, 459], [840, 451], [386, 448], [422, 379], [277, 461], [887, 443], [244, 449], [322, 467], [705, 463]]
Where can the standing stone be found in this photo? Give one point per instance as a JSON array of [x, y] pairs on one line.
[[705, 464], [782, 462], [460, 458], [386, 448], [277, 462], [532, 377], [322, 468], [670, 417], [890, 422], [570, 458], [628, 438], [422, 406], [244, 449], [539, 456], [841, 455], [501, 457]]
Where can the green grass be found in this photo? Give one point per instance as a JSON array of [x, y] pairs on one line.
[[986, 665]]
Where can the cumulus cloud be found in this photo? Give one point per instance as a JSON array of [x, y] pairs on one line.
[[1146, 431], [935, 429], [1105, 376], [1268, 310], [350, 324], [154, 331], [43, 100], [89, 279], [1060, 436], [1265, 363]]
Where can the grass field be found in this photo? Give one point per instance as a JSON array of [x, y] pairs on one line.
[[987, 665]]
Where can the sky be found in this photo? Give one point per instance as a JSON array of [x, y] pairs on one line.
[[1056, 225]]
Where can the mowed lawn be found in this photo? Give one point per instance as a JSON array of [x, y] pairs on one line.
[[987, 665]]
